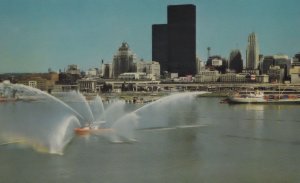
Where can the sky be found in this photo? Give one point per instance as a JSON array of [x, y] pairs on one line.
[[39, 34]]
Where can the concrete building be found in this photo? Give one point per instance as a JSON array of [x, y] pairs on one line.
[[284, 62], [232, 78], [276, 74], [252, 52], [218, 63], [73, 69], [207, 76], [123, 61], [92, 72], [107, 71], [266, 63], [133, 76], [150, 68], [42, 81], [199, 65], [262, 78], [296, 60], [295, 74], [154, 70], [87, 85], [174, 43]]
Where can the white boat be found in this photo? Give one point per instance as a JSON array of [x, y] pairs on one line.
[[265, 97]]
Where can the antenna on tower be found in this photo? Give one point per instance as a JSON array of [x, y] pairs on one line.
[[208, 52]]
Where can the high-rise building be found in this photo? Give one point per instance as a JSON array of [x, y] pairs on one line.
[[174, 43], [236, 61], [160, 45], [199, 65], [252, 53], [266, 63], [123, 61]]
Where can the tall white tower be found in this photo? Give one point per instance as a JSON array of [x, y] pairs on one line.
[[252, 53]]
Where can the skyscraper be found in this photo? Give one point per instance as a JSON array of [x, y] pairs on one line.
[[160, 45], [236, 61], [174, 43], [123, 61], [252, 53]]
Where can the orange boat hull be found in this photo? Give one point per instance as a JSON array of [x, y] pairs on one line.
[[82, 131], [86, 131]]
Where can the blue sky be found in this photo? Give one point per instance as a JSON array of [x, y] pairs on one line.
[[39, 34]]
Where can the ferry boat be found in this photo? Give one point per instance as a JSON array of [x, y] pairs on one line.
[[258, 96]]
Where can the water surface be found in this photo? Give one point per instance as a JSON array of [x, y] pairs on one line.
[[241, 143]]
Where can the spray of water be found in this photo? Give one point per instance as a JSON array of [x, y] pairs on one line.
[[158, 114], [97, 108], [30, 116], [78, 103], [47, 123]]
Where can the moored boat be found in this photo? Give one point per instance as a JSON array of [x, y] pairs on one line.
[[265, 97]]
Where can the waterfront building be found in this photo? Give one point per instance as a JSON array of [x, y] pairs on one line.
[[123, 61], [35, 82], [266, 63], [73, 69], [284, 62], [262, 78], [133, 76], [207, 76], [236, 61], [155, 69], [92, 72], [218, 63], [296, 58], [87, 85], [295, 74], [42, 81], [174, 43], [232, 78], [107, 71], [67, 79], [65, 88], [276, 74], [199, 65], [295, 69], [150, 68], [252, 52], [250, 71]]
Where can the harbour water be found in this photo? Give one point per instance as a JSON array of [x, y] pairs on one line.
[[225, 143]]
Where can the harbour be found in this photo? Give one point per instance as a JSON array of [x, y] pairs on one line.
[[239, 143]]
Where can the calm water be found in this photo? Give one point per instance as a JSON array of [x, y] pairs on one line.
[[241, 143]]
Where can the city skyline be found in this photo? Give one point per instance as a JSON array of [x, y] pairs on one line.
[[37, 35]]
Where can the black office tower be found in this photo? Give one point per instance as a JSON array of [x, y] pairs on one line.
[[160, 45], [180, 38]]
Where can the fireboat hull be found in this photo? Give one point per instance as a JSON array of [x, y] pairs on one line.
[[88, 131]]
